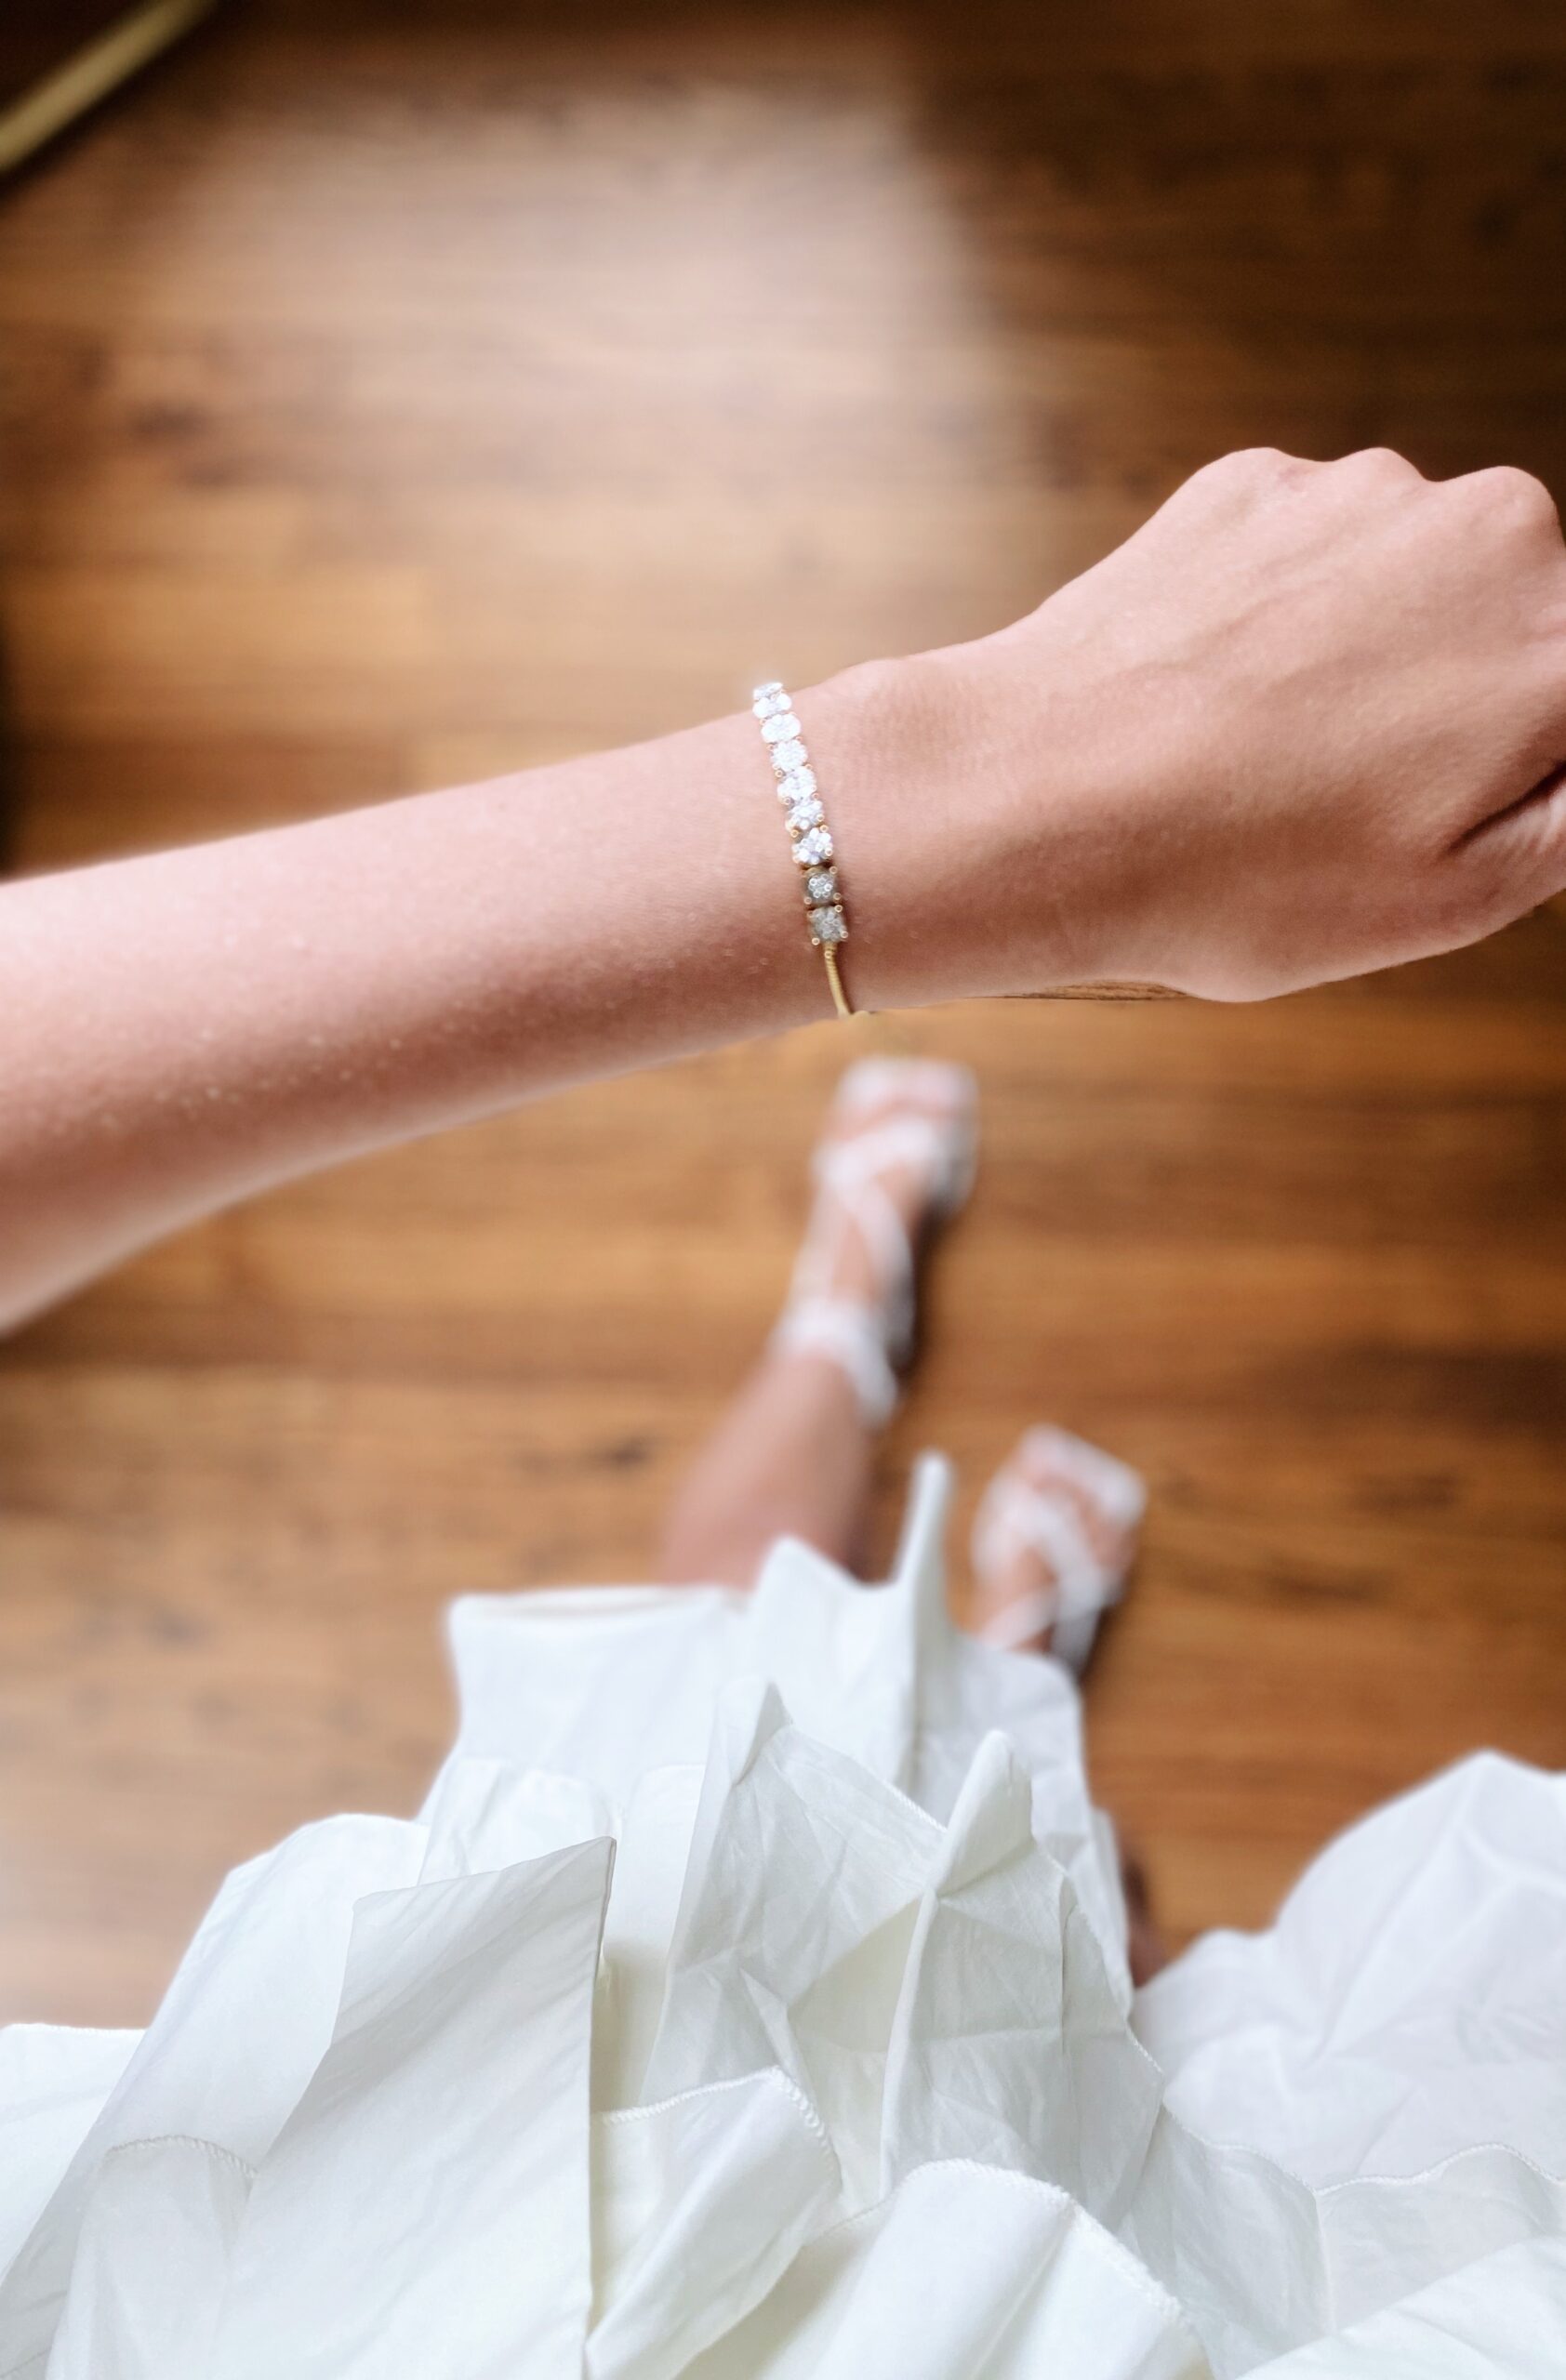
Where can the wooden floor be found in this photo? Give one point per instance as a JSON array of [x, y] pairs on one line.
[[396, 394]]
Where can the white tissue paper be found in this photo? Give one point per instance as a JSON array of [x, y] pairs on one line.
[[751, 2003]]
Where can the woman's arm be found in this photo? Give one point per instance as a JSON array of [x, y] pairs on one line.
[[1307, 720]]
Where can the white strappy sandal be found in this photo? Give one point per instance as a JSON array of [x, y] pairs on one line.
[[872, 1341], [1017, 1513]]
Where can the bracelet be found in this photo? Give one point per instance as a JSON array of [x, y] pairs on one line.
[[807, 824]]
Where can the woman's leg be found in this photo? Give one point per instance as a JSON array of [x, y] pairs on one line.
[[792, 1454], [791, 1457]]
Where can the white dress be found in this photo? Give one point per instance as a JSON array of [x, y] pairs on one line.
[[749, 2002]]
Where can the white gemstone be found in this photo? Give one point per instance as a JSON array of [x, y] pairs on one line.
[[788, 757], [828, 925], [803, 814], [813, 846], [765, 705], [821, 886], [795, 787], [782, 724], [769, 687]]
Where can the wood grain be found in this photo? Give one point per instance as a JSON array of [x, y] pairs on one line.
[[395, 394]]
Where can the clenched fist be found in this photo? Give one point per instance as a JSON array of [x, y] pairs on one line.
[[1309, 720]]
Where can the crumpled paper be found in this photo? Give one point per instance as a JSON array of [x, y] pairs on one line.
[[749, 2002]]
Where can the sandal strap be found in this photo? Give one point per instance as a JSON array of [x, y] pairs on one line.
[[851, 1175], [942, 1146], [849, 1335], [872, 1082], [851, 1172], [1022, 1622], [1013, 1513], [870, 1336], [1020, 1515], [1119, 1493]]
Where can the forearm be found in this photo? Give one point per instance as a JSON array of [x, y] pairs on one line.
[[184, 1029]]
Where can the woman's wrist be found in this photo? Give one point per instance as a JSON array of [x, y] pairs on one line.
[[961, 790]]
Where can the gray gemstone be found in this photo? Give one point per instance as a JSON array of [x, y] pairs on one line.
[[828, 925], [821, 885]]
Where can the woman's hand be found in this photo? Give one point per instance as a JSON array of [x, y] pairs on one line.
[[1310, 720]]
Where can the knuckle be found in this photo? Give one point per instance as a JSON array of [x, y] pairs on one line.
[[1380, 464], [1513, 494], [1259, 463], [1249, 473]]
